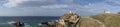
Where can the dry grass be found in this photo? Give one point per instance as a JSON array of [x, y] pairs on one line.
[[89, 22], [110, 20]]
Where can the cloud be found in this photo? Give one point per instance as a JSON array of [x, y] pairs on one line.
[[115, 1], [14, 3], [35, 3], [55, 7], [100, 7], [32, 8]]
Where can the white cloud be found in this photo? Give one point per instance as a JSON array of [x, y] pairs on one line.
[[69, 1], [45, 4], [13, 3], [54, 6], [115, 1], [34, 7]]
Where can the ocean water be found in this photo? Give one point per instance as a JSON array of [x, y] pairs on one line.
[[30, 21]]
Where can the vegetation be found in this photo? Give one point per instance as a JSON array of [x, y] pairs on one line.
[[100, 20]]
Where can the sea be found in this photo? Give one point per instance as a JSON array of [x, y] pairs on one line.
[[30, 21]]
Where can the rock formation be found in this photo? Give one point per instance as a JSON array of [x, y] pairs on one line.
[[69, 19], [18, 24]]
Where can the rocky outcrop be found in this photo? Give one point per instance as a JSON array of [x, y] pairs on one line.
[[18, 24], [68, 20]]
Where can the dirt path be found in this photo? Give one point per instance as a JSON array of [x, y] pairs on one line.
[[103, 25]]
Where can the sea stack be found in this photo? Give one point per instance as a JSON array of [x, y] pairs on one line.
[[18, 24]]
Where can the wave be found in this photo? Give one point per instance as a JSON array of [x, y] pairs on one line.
[[48, 22], [40, 24], [56, 20], [27, 25], [8, 22], [11, 22]]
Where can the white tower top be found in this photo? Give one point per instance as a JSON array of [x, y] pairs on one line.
[[107, 12], [70, 11]]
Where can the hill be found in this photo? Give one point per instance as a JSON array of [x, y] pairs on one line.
[[89, 22], [100, 20], [109, 19]]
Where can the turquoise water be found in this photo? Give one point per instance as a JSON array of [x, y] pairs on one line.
[[30, 21]]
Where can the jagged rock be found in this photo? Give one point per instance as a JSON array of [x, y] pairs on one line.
[[68, 20], [18, 24]]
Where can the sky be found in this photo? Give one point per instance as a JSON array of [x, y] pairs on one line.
[[56, 7]]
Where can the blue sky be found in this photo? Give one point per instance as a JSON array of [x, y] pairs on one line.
[[56, 7]]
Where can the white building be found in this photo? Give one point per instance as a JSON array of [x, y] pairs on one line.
[[107, 12]]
